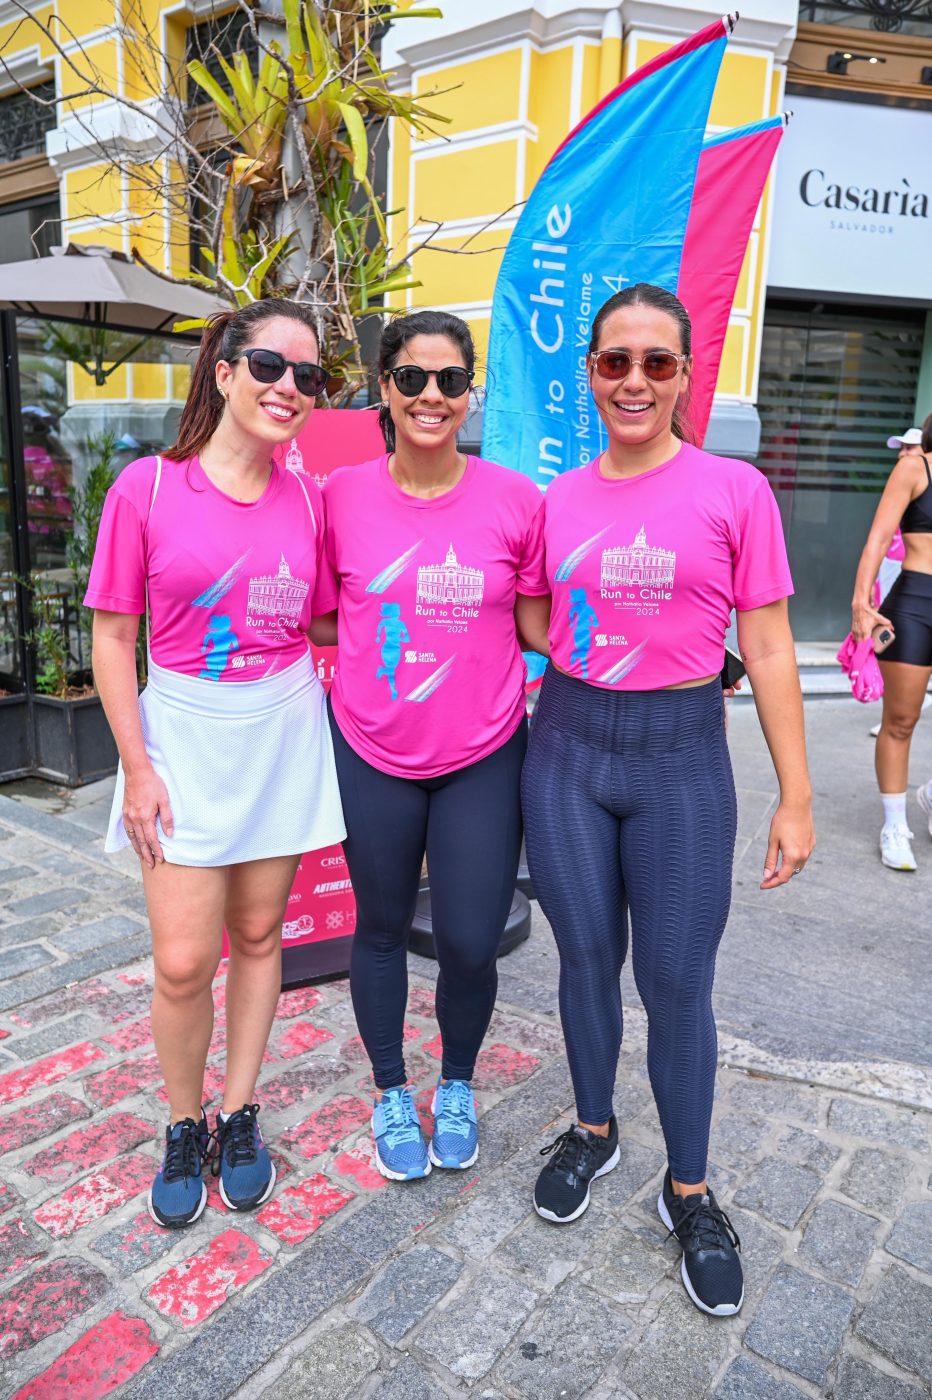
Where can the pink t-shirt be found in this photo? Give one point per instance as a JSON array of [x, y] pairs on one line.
[[645, 571], [430, 675], [232, 584]]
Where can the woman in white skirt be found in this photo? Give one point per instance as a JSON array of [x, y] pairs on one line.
[[226, 765]]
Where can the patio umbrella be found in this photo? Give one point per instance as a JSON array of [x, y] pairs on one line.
[[103, 291], [100, 288]]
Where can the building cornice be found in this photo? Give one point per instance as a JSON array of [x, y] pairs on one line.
[[110, 131], [769, 25], [484, 26], [470, 29], [23, 70]]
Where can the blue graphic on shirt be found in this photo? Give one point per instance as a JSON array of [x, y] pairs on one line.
[[436, 678], [582, 620], [572, 561], [219, 641], [393, 571], [212, 595], [392, 634]]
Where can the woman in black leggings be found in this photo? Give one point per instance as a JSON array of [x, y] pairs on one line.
[[439, 560], [906, 657], [629, 803]]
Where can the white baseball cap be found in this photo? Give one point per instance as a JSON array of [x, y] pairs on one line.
[[911, 438]]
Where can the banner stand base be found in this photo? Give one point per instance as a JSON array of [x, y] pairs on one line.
[[524, 882], [517, 925], [315, 962]]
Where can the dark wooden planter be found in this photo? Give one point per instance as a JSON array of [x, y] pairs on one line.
[[517, 925], [15, 737], [72, 740]]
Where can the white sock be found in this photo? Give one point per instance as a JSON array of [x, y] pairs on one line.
[[225, 1116], [894, 808]]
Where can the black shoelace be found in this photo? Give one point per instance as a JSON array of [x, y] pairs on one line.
[[236, 1138], [575, 1154], [703, 1225], [182, 1153]]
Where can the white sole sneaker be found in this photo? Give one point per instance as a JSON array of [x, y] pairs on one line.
[[922, 797], [177, 1224], [400, 1176], [895, 850], [253, 1205], [605, 1168]]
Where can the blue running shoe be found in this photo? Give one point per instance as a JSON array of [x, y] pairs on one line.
[[400, 1150], [455, 1142], [246, 1171], [178, 1194]]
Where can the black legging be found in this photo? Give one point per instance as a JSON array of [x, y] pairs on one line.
[[629, 805], [469, 824]]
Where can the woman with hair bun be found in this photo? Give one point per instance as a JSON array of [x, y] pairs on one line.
[[629, 802], [439, 560], [226, 765]]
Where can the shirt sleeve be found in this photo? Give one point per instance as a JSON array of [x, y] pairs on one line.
[[761, 568], [327, 585], [532, 572], [118, 573]]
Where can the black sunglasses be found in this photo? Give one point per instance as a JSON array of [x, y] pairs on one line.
[[268, 366], [411, 380], [658, 365]]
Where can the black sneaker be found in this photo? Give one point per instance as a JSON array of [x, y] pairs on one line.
[[562, 1190], [711, 1268]]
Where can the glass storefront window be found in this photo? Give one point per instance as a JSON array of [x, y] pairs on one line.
[[87, 396], [78, 386], [835, 383], [10, 678]]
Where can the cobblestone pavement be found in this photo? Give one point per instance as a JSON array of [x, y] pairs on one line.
[[346, 1287]]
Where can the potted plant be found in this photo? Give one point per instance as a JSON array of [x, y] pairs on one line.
[[72, 743]]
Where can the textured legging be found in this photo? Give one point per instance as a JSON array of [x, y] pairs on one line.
[[629, 807], [469, 824]]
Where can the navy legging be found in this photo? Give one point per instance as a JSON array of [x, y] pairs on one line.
[[469, 823], [629, 807]]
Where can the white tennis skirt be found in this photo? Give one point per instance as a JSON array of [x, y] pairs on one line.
[[248, 766]]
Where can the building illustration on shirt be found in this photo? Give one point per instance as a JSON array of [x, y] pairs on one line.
[[294, 462], [276, 600], [450, 583], [638, 564]]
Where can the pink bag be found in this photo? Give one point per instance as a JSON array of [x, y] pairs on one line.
[[859, 663]]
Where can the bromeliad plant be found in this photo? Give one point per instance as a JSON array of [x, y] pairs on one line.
[[298, 214]]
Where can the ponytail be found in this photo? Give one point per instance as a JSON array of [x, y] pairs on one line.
[[203, 407], [226, 335]]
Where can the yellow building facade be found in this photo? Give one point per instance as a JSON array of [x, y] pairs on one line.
[[513, 80]]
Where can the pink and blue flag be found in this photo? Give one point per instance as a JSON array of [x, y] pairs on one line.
[[610, 209], [733, 170]]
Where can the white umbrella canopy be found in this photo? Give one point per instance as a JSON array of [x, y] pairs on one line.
[[100, 288]]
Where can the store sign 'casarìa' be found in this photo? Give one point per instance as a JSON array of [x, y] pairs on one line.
[[852, 201]]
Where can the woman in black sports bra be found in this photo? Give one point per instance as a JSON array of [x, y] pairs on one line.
[[906, 661]]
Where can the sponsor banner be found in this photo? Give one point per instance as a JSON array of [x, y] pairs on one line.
[[852, 201], [321, 905], [609, 210], [733, 170]]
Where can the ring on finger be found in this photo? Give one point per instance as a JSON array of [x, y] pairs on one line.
[[798, 870]]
